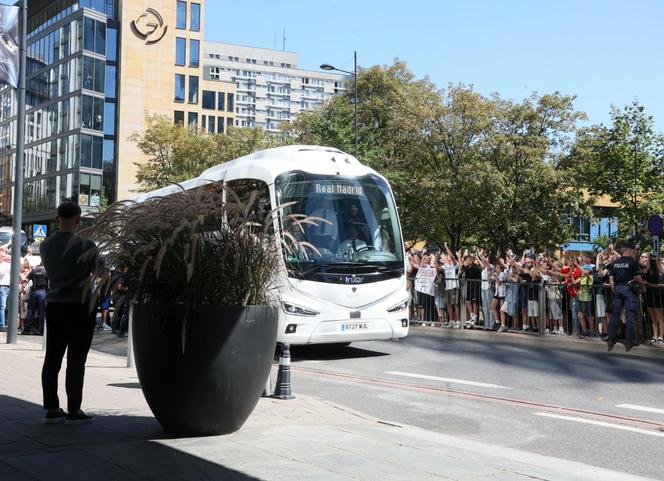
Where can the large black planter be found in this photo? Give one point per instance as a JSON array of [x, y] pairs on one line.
[[203, 376]]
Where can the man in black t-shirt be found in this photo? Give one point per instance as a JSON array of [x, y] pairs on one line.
[[623, 272]]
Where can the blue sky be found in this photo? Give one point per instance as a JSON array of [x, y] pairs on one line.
[[605, 52]]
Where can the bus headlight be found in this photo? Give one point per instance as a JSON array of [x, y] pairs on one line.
[[402, 306], [294, 310]]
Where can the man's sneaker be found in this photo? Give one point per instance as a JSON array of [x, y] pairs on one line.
[[54, 416], [610, 345], [547, 332], [502, 328], [105, 327], [628, 346], [79, 417], [470, 324]]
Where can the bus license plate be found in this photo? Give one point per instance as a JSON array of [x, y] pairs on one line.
[[353, 326]]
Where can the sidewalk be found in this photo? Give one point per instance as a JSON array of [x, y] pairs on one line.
[[303, 439]]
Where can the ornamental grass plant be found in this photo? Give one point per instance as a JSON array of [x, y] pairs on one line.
[[193, 247]]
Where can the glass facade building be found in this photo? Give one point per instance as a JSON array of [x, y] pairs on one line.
[[96, 70]]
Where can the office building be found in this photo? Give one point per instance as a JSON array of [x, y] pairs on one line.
[[95, 70]]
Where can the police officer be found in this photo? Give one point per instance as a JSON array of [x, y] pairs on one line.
[[623, 272]]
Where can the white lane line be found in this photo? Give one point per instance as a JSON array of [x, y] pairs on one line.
[[445, 379], [636, 407], [601, 423]]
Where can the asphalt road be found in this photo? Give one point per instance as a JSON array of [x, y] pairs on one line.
[[577, 404], [570, 400]]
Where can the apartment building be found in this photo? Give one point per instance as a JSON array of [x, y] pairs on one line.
[[271, 88]]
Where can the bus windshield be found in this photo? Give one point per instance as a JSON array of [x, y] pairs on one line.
[[362, 226]]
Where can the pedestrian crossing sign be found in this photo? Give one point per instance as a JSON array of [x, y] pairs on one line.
[[39, 232]]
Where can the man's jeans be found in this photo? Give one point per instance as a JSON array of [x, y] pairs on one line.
[[575, 315], [4, 294]]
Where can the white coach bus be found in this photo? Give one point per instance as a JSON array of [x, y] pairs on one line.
[[354, 287]]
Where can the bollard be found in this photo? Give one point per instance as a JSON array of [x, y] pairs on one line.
[[130, 342], [282, 390]]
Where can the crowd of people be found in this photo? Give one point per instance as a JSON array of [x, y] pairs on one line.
[[33, 287], [536, 292]]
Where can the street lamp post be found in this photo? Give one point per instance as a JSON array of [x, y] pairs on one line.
[[327, 66]]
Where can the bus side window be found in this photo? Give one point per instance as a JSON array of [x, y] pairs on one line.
[[244, 188]]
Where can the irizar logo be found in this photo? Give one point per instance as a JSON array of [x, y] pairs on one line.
[[353, 279], [149, 26]]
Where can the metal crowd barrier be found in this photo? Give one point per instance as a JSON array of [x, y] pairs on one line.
[[539, 307]]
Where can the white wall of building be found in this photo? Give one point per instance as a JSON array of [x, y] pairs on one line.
[[270, 87]]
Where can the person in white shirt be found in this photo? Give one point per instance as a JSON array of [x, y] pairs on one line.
[[5, 279], [349, 248], [451, 268]]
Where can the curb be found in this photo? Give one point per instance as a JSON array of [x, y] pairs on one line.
[[558, 342]]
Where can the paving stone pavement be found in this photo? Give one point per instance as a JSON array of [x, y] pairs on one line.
[[303, 439]]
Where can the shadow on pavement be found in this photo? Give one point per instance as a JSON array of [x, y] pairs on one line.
[[584, 365], [113, 447], [329, 352]]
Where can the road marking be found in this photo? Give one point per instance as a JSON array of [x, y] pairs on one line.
[[445, 379], [636, 407], [602, 424]]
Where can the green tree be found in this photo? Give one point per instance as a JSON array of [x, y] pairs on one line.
[[175, 153], [465, 168], [624, 161], [537, 194]]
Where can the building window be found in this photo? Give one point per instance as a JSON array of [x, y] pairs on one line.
[[112, 44], [209, 99], [89, 34], [221, 99], [111, 80], [229, 121], [194, 52], [94, 36], [580, 228], [230, 105], [109, 118], [92, 113], [181, 21], [179, 87], [203, 122], [178, 117], [89, 190], [195, 25], [180, 51], [92, 151], [211, 119], [220, 125], [192, 120], [193, 89], [215, 73], [94, 74]]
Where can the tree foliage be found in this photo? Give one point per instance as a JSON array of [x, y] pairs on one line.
[[624, 161], [175, 153], [465, 168]]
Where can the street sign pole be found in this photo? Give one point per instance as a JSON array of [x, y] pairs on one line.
[[656, 227], [14, 285]]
